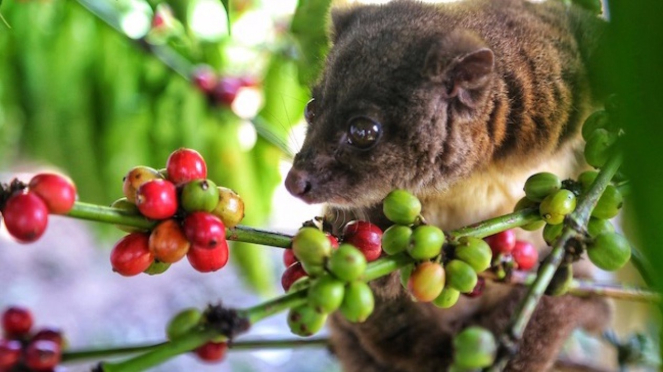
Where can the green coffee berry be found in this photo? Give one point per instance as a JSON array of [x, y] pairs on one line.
[[183, 322], [358, 302], [555, 206], [475, 252], [326, 294], [311, 246], [347, 263], [586, 179], [598, 226], [425, 242], [598, 119], [609, 251], [199, 195], [157, 267], [447, 298], [460, 276], [474, 347], [305, 321], [552, 232], [401, 207], [597, 149], [540, 185], [609, 204], [396, 239]]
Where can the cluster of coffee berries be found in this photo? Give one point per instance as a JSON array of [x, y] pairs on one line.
[[189, 320], [507, 249], [332, 273], [220, 91], [605, 248], [554, 201], [23, 350], [362, 235], [474, 348], [25, 209], [193, 214], [601, 137], [438, 276]]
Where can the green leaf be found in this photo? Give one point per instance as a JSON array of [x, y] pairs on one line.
[[309, 27], [226, 6]]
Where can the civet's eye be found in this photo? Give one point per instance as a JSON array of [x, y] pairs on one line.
[[309, 111], [363, 132]]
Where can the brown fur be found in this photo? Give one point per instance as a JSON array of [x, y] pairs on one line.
[[473, 97]]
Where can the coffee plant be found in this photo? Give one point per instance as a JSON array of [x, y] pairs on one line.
[[180, 211]]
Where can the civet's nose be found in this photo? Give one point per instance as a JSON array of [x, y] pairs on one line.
[[298, 183]]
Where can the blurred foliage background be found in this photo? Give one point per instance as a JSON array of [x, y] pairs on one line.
[[95, 87]]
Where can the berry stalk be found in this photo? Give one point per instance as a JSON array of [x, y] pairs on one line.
[[90, 354], [162, 352], [495, 225], [584, 288], [574, 230], [98, 213]]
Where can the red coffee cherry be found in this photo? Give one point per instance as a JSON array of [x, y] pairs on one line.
[[131, 255], [42, 355], [185, 165], [212, 351], [226, 90], [168, 243], [10, 353], [364, 236], [502, 242], [291, 274], [26, 217], [157, 199], [289, 257], [58, 192], [334, 241], [478, 288], [204, 230], [17, 321], [525, 255], [208, 260], [204, 78], [49, 334]]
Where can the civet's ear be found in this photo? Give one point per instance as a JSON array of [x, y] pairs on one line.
[[462, 62], [470, 72]]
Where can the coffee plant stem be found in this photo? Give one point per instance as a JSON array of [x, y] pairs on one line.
[[98, 213], [275, 306], [574, 231], [88, 354], [494, 225], [115, 216], [278, 344], [162, 352], [583, 288]]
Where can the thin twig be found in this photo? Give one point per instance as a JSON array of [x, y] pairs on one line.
[[583, 288]]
